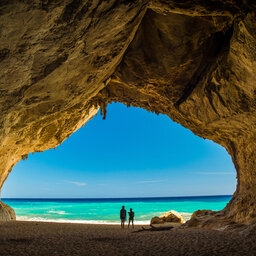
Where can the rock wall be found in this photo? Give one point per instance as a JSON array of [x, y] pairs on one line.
[[191, 60]]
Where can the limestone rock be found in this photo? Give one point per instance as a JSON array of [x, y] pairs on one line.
[[156, 220], [6, 212], [200, 213], [171, 216]]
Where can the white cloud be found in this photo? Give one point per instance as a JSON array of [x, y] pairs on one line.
[[77, 183], [214, 173], [149, 181]]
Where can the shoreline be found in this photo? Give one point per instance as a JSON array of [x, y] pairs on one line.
[[106, 211], [89, 222]]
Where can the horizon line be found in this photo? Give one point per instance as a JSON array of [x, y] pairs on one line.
[[150, 197]]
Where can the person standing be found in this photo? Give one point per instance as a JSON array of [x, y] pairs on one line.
[[131, 217], [122, 216]]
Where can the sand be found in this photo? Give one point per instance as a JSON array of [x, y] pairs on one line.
[[39, 238]]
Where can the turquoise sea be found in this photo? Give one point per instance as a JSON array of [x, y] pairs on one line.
[[106, 210]]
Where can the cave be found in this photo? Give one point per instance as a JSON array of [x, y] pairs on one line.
[[193, 61]]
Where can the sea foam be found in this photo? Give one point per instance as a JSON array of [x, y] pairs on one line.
[[58, 212], [26, 218]]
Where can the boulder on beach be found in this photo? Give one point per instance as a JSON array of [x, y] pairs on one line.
[[6, 212], [170, 216], [156, 220]]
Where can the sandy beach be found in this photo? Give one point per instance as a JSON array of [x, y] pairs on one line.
[[42, 238]]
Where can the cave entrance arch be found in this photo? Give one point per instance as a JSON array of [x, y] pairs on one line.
[[192, 61], [133, 153]]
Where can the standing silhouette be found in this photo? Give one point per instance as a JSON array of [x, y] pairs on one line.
[[122, 216], [131, 217]]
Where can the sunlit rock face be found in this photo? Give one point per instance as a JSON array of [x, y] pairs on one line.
[[54, 57], [194, 61]]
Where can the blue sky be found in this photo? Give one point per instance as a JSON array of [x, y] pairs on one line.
[[133, 153]]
